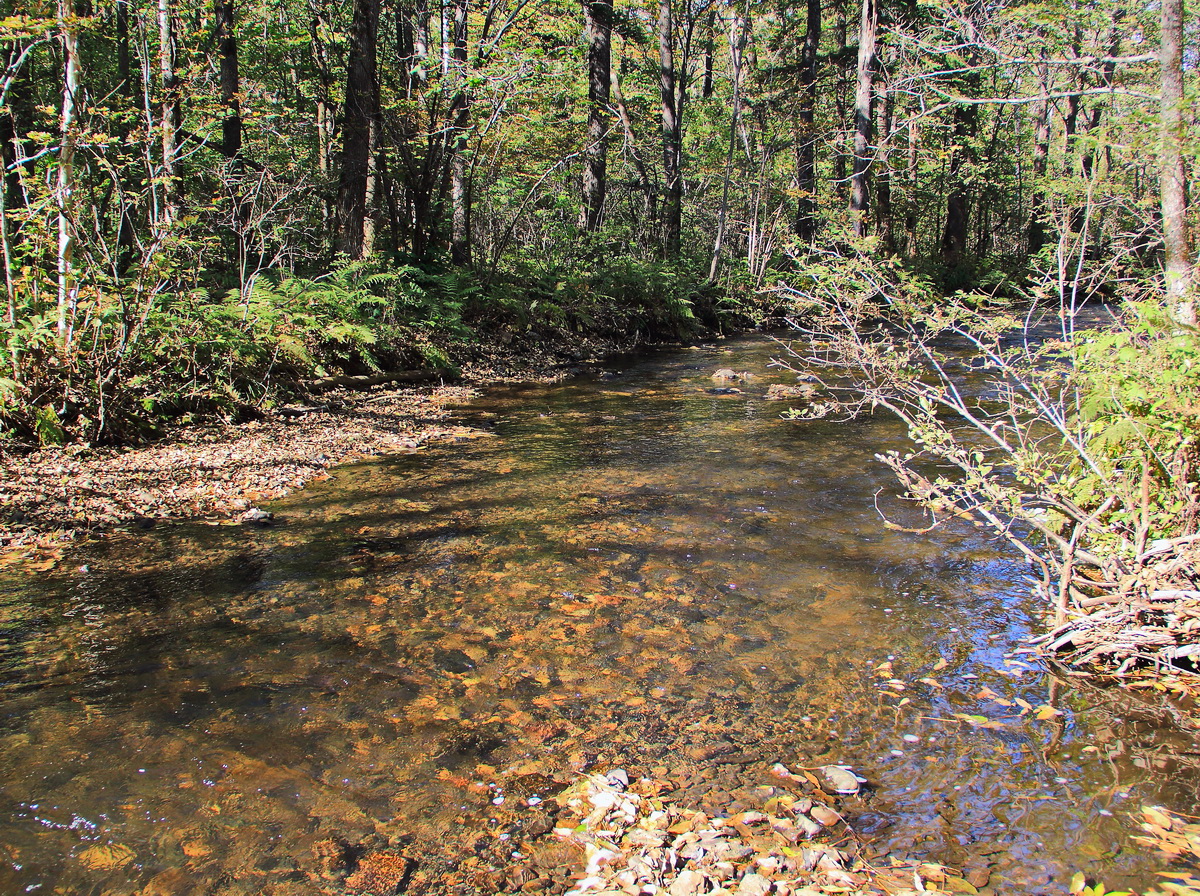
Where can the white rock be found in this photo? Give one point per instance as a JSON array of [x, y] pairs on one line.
[[754, 885], [618, 778], [840, 779], [688, 883], [604, 800]]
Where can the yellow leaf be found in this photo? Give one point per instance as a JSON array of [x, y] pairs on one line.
[[958, 885], [1157, 816]]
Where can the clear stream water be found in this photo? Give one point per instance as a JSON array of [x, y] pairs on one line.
[[629, 569]]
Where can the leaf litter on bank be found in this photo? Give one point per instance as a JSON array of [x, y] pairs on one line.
[[221, 470]]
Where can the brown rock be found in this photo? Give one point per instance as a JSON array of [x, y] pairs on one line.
[[754, 885], [378, 874], [172, 882], [688, 883], [780, 392], [333, 855], [824, 815]]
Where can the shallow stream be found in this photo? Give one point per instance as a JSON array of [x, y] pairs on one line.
[[640, 568]]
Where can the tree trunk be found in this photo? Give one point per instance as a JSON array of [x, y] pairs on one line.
[[231, 126], [737, 44], [68, 290], [883, 179], [170, 109], [1041, 154], [370, 224], [15, 118], [860, 186], [672, 132], [958, 200], [840, 30], [362, 103], [912, 180], [1177, 260], [421, 42], [460, 115], [962, 155], [124, 74], [710, 47], [323, 85], [406, 51], [806, 152], [597, 31], [12, 88]]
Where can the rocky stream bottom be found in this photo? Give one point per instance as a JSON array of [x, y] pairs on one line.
[[609, 836], [633, 634]]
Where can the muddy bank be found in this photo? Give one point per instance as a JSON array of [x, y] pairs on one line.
[[220, 470]]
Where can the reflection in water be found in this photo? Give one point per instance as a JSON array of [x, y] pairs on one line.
[[631, 571]]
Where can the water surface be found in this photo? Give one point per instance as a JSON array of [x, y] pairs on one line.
[[641, 568]]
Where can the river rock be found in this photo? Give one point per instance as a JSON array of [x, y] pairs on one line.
[[978, 876], [840, 779], [783, 392], [705, 752], [378, 874], [824, 815], [333, 855], [618, 778], [804, 826], [754, 885], [688, 883], [172, 882]]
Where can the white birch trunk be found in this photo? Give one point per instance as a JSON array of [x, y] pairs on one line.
[[68, 290]]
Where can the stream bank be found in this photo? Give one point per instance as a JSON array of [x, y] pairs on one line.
[[220, 470]]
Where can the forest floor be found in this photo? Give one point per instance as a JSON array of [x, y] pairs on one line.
[[219, 470]]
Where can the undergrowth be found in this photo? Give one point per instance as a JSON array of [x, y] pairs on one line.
[[140, 361]]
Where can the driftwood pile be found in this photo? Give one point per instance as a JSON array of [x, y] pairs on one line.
[[1145, 617]]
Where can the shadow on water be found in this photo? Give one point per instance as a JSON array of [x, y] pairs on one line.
[[629, 570]]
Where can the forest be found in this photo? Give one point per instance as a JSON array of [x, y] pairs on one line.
[[206, 208], [202, 205]]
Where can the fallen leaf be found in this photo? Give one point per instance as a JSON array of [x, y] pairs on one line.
[[978, 721]]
